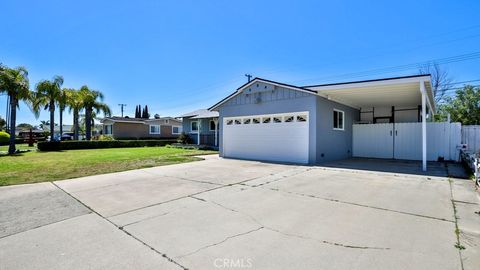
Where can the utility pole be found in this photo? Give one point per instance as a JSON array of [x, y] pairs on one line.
[[121, 106], [249, 76]]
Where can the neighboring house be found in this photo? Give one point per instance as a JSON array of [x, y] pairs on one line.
[[273, 121], [66, 128], [201, 126], [138, 128]]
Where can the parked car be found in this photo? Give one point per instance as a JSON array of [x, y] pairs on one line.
[[67, 136]]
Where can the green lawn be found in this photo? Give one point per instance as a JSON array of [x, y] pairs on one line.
[[32, 167]]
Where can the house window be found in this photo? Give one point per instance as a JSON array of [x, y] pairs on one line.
[[175, 130], [108, 129], [194, 126], [289, 119], [154, 129], [301, 118], [212, 125], [338, 120]]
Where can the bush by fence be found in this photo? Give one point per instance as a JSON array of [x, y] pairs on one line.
[[75, 145]]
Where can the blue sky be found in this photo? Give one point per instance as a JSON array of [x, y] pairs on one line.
[[178, 56]]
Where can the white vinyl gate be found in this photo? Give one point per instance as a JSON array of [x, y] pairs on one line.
[[404, 140]]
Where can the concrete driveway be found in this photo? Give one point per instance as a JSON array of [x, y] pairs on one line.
[[232, 214]]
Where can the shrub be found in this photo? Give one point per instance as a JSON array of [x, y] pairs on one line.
[[74, 145], [184, 138], [106, 138], [4, 137]]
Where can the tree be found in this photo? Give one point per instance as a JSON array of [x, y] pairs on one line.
[[138, 111], [24, 126], [92, 101], [62, 104], [14, 82], [74, 101], [47, 95], [2, 123], [464, 107], [44, 125], [441, 80], [145, 114]]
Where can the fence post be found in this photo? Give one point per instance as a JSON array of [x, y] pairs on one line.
[[475, 168]]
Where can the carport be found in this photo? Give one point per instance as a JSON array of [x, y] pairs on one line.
[[382, 103]]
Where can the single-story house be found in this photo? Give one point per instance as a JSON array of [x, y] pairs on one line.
[[274, 121], [139, 128], [201, 126]]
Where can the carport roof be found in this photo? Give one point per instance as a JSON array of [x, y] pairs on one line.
[[398, 91], [395, 91]]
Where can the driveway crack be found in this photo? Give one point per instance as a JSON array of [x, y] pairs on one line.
[[121, 229], [294, 235], [223, 241]]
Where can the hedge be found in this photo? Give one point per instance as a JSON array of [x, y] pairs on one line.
[[17, 141], [73, 145], [4, 137]]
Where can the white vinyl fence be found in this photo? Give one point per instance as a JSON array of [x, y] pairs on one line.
[[471, 137], [404, 141]]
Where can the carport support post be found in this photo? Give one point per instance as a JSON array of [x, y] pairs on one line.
[[424, 127], [198, 132], [216, 128]]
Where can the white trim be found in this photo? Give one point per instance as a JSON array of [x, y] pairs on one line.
[[191, 127], [424, 128], [111, 129], [343, 120], [370, 84], [175, 133], [121, 121], [154, 133]]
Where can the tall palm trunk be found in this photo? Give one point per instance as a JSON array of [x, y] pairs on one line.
[[61, 122], [75, 124], [88, 125], [52, 120], [13, 116]]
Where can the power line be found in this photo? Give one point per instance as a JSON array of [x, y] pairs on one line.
[[418, 65]]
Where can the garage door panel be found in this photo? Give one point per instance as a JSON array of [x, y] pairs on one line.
[[284, 142]]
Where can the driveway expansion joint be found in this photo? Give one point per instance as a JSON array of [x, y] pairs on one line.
[[126, 232], [360, 205], [458, 245]]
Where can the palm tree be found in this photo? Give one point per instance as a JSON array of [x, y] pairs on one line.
[[75, 105], [14, 82], [92, 101], [46, 95], [62, 104]]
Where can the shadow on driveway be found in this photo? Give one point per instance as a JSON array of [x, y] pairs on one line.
[[438, 169]]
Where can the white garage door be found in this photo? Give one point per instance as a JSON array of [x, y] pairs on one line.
[[274, 137]]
